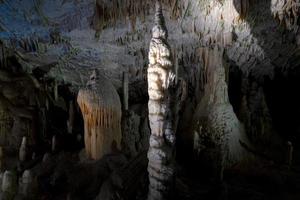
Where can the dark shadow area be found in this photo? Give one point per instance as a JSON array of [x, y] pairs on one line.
[[268, 74], [271, 92]]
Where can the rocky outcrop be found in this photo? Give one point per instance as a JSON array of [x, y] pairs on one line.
[[101, 109]]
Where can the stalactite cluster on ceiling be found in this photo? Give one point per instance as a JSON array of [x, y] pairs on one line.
[[108, 12], [286, 12]]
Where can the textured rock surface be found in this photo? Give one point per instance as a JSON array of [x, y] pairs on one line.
[[53, 43], [162, 140], [218, 130], [286, 12], [101, 109]]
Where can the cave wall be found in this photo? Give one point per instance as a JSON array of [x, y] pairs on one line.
[[233, 25], [238, 58]]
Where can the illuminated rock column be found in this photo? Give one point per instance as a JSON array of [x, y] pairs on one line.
[[162, 140]]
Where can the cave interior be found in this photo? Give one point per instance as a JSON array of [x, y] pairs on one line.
[[149, 99]]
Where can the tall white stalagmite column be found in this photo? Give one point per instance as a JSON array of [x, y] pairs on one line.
[[162, 140]]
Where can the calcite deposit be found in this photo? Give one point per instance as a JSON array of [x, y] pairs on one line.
[[162, 140], [144, 99], [101, 109]]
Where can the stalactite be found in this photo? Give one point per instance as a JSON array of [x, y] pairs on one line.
[[101, 109], [242, 7], [162, 139], [286, 12], [110, 12]]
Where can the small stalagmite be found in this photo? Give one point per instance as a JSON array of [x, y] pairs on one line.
[[54, 144], [23, 150], [9, 183], [33, 156], [26, 183], [101, 109], [46, 157]]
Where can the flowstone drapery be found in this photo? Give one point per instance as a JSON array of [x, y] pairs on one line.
[[101, 109]]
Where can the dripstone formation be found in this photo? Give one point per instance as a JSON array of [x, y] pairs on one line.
[[215, 115], [101, 109], [162, 140]]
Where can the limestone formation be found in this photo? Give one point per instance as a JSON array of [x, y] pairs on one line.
[[53, 143], [162, 139], [242, 74], [242, 7], [286, 12], [9, 183], [23, 150], [33, 156], [215, 120], [125, 90], [25, 183], [108, 12], [101, 109]]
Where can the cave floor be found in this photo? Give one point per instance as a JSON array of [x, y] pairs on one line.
[[264, 181]]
